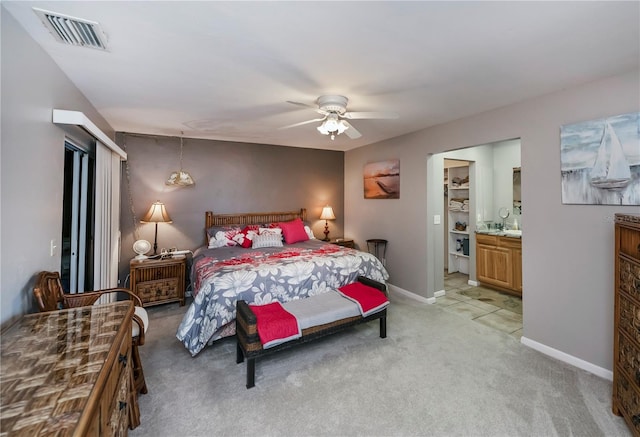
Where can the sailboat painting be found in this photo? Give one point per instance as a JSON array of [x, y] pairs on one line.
[[600, 161]]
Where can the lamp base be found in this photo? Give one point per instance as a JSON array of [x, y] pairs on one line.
[[326, 231], [155, 241]]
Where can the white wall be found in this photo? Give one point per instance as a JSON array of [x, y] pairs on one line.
[[32, 161], [567, 249]]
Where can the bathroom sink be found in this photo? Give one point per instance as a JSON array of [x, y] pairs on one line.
[[513, 232]]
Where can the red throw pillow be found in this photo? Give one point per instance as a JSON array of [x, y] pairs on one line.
[[245, 236], [293, 231]]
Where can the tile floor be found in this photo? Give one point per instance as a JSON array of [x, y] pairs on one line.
[[483, 305]]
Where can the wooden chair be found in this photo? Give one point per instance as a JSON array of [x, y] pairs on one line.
[[50, 296]]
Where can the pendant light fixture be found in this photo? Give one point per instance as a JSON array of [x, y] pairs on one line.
[[180, 178]]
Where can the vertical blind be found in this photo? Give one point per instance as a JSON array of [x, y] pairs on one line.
[[107, 218]]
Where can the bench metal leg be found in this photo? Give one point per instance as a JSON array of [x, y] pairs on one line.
[[383, 327], [239, 353], [251, 372]]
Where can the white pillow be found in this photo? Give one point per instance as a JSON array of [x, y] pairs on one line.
[[309, 232], [267, 240], [276, 231], [219, 240]]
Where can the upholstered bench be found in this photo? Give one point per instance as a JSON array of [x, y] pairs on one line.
[[318, 316]]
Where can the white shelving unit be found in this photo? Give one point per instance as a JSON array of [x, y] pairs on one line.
[[458, 189]]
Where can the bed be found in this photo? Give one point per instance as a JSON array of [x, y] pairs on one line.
[[220, 276]]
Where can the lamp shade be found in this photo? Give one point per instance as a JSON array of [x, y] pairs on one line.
[[327, 213], [157, 214]]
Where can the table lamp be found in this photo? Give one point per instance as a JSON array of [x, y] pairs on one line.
[[327, 214], [157, 214]]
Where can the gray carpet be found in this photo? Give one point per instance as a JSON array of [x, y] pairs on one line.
[[436, 374]]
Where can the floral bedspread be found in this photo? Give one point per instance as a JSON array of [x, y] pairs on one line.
[[263, 276]]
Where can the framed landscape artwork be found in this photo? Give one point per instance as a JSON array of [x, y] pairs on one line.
[[600, 161], [382, 180]]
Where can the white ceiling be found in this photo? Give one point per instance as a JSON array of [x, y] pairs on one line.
[[225, 70]]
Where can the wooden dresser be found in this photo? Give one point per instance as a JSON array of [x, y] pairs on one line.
[[626, 341], [68, 373], [158, 281]]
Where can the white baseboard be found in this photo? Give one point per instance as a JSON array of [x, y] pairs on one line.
[[429, 300], [439, 293], [473, 283], [569, 359]]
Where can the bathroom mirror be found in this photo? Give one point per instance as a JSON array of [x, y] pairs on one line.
[[517, 198]]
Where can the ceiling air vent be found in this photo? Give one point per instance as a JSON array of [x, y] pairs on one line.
[[74, 31]]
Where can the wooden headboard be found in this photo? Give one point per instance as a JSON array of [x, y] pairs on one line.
[[251, 218]]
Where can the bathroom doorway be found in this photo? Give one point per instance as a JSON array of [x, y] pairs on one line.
[[494, 183]]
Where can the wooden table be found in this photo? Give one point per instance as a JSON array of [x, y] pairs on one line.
[[68, 372]]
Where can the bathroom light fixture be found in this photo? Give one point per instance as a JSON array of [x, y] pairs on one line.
[[332, 125], [156, 214], [327, 214], [181, 177]]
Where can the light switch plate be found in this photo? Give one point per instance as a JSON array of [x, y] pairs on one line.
[[436, 219]]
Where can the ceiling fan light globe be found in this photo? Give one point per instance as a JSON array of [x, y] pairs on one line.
[[342, 127], [331, 125]]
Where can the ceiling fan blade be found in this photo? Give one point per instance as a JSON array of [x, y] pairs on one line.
[[302, 104], [313, 108], [315, 120], [351, 132], [370, 115]]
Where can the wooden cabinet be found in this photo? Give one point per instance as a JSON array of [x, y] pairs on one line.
[[499, 262], [79, 373], [158, 281], [626, 341]]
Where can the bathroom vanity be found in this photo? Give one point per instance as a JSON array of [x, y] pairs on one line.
[[499, 260]]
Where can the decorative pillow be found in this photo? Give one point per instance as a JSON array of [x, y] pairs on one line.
[[293, 231], [276, 231], [220, 236], [245, 236], [266, 240], [309, 232]]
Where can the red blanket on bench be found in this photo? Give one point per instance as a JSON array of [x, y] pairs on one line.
[[369, 299], [275, 325]]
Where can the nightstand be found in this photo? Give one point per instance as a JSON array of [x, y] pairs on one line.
[[158, 281], [345, 242]]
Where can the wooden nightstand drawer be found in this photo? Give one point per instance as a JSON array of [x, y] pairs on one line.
[[158, 291], [159, 281]]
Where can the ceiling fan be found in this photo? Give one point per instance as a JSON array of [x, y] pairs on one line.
[[335, 115]]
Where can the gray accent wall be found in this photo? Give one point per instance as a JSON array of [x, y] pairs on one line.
[[32, 162], [230, 178], [567, 249]]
